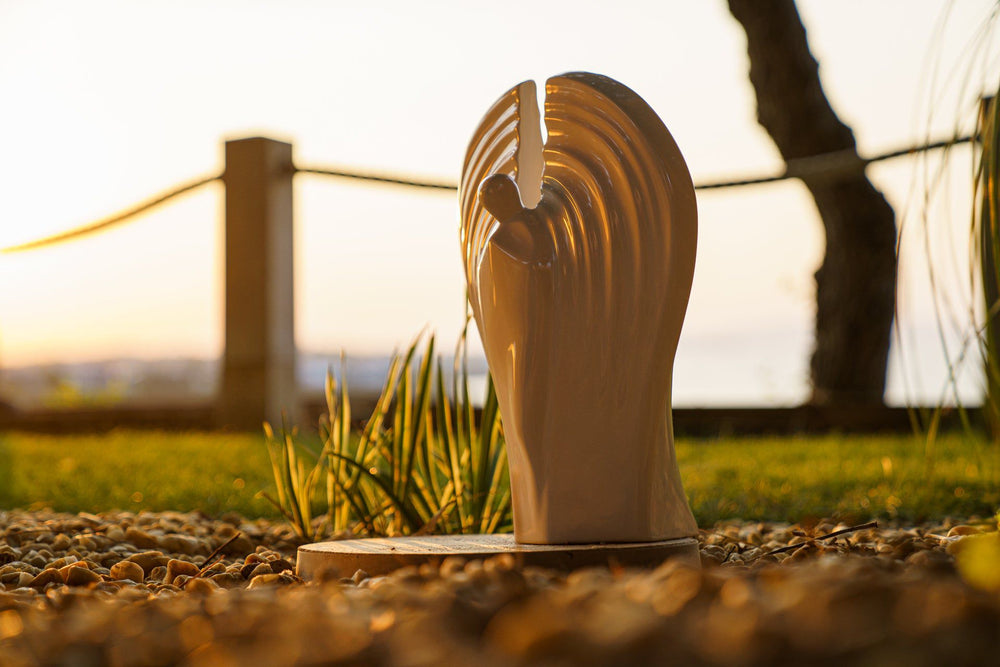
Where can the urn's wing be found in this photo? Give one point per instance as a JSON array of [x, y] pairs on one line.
[[626, 218], [493, 149], [618, 212]]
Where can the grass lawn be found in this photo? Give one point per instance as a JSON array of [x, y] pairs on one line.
[[851, 477], [135, 470], [790, 479]]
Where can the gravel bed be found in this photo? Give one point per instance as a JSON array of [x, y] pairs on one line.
[[120, 589]]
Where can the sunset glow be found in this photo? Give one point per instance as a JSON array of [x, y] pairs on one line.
[[107, 103]]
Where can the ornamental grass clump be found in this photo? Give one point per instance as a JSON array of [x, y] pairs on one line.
[[296, 473], [422, 463]]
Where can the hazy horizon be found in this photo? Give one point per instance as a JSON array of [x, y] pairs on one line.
[[771, 380]]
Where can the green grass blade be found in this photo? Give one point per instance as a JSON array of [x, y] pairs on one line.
[[487, 430], [385, 484], [414, 435]]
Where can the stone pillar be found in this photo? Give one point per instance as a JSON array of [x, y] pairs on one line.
[[258, 377]]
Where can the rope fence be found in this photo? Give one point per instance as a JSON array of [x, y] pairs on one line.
[[837, 163], [827, 165], [384, 179], [104, 223]]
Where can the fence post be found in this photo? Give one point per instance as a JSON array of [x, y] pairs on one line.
[[258, 374]]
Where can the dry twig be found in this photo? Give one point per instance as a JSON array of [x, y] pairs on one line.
[[836, 533], [212, 557]]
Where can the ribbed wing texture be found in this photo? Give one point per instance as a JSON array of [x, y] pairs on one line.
[[492, 151], [621, 193], [612, 184]]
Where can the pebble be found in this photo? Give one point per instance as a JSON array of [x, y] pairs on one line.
[[44, 578], [281, 565], [80, 576], [201, 586], [259, 570], [149, 560], [176, 568], [181, 544], [118, 588], [140, 538], [228, 580], [963, 530], [127, 570], [269, 579]]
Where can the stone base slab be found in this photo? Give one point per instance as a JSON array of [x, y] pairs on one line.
[[378, 556]]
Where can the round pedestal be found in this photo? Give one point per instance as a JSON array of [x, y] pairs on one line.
[[378, 556]]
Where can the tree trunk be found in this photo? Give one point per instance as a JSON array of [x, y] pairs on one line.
[[856, 284]]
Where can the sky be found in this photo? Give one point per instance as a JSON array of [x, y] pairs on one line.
[[106, 103]]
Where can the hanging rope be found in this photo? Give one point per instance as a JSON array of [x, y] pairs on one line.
[[384, 179], [825, 165], [104, 223], [830, 165]]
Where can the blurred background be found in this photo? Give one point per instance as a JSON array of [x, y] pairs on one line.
[[106, 103]]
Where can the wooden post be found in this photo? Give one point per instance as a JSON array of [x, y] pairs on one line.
[[258, 376]]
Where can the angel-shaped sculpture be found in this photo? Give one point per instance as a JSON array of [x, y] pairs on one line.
[[579, 256]]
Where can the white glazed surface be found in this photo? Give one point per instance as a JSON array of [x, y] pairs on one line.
[[579, 302]]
